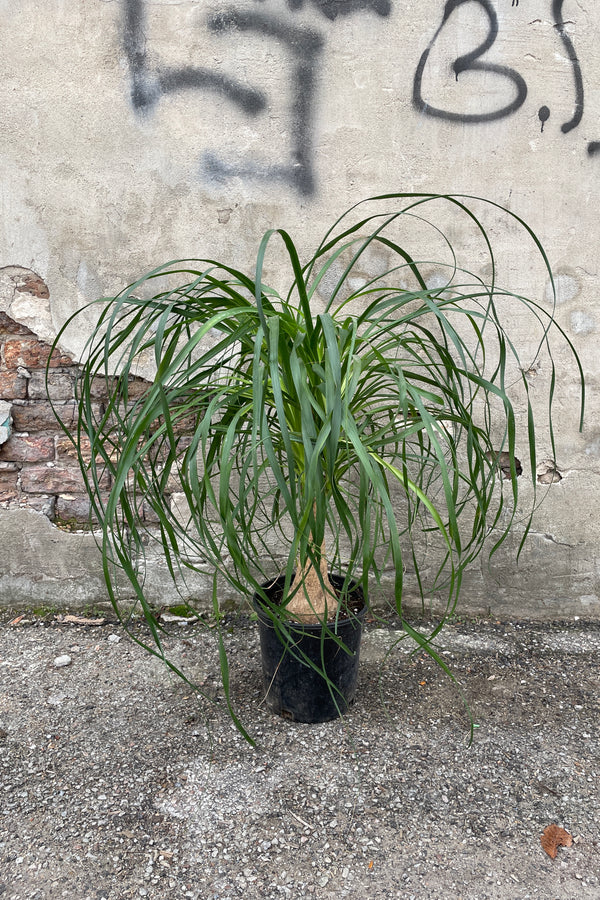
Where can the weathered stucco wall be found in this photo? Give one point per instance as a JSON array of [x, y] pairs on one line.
[[136, 131]]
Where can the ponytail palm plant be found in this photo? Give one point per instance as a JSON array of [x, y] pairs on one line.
[[320, 429]]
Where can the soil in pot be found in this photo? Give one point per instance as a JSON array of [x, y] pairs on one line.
[[293, 688]]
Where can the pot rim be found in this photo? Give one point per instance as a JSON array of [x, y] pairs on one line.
[[350, 618]]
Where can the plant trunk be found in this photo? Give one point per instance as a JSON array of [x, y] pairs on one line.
[[311, 602]]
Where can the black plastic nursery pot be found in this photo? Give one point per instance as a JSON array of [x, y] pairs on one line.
[[295, 690]]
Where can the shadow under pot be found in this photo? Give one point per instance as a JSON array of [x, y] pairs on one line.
[[293, 661]]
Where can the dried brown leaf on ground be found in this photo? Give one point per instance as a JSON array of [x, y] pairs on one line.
[[554, 837]]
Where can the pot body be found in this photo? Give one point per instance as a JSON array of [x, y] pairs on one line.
[[293, 688]]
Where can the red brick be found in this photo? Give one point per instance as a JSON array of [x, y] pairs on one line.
[[52, 480], [66, 450], [42, 503], [77, 508], [9, 326], [57, 386], [26, 448], [32, 354], [33, 284], [12, 386], [9, 478], [101, 388], [38, 416], [73, 508]]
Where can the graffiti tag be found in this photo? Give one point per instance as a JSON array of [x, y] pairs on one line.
[[303, 48]]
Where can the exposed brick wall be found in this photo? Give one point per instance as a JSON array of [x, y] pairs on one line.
[[38, 467], [38, 463]]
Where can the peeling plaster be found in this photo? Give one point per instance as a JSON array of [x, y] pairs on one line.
[[548, 472], [25, 298]]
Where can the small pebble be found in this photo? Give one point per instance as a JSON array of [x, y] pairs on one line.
[[62, 661], [114, 638]]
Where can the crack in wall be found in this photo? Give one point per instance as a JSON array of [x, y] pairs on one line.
[[546, 536]]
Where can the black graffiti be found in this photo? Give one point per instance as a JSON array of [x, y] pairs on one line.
[[568, 44], [148, 85], [304, 47], [331, 9], [470, 62]]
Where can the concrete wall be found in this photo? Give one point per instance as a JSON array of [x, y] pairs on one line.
[[136, 131]]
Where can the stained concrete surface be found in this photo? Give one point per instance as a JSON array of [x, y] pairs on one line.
[[116, 782]]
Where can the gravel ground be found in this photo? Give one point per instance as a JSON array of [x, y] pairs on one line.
[[116, 783]]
